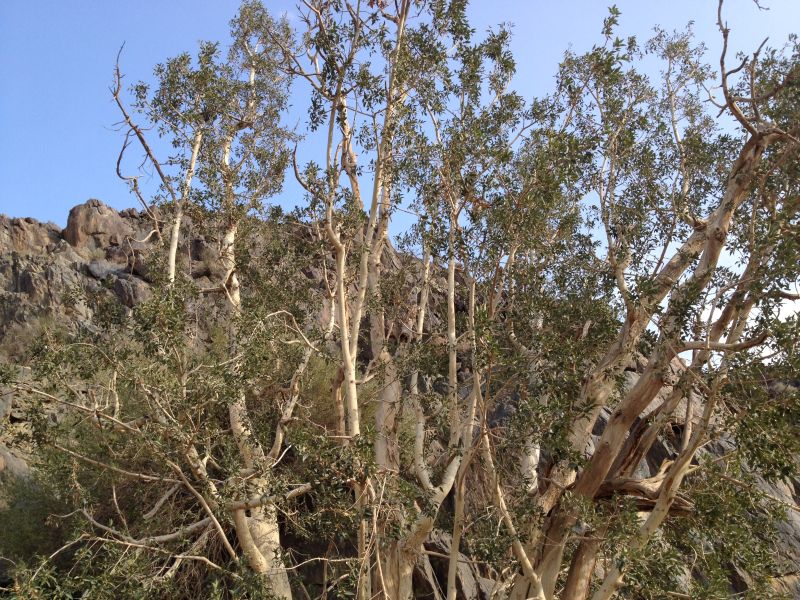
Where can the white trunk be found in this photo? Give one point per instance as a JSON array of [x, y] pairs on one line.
[[467, 440], [529, 463], [398, 572], [177, 221], [259, 538], [258, 533]]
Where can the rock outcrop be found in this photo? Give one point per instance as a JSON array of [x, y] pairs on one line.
[[94, 225], [41, 269]]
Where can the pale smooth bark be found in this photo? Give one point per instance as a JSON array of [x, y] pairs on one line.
[[651, 381], [258, 532], [529, 585], [467, 436], [177, 218], [582, 567]]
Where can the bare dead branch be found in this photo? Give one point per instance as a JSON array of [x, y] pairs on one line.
[[724, 347], [126, 473]]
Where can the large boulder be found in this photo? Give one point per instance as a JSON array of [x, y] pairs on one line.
[[93, 226], [27, 235], [131, 291]]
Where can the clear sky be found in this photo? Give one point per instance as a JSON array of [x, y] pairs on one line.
[[58, 146]]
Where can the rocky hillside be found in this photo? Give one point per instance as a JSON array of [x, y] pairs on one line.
[[104, 251], [41, 266]]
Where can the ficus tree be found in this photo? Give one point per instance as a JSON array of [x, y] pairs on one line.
[[580, 349], [666, 197], [180, 381]]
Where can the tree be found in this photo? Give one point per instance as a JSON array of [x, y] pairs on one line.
[[650, 179], [180, 393], [560, 375]]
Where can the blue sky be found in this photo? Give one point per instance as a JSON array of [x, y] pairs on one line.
[[58, 146]]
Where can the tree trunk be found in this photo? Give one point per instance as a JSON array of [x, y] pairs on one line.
[[258, 533], [259, 538], [398, 571], [582, 568]]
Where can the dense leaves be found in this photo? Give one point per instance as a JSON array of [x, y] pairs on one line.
[[574, 370]]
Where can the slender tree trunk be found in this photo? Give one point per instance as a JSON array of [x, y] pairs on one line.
[[455, 547], [258, 533], [398, 571], [387, 450], [582, 567], [467, 439], [177, 220]]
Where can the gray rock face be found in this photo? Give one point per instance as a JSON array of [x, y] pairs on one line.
[[94, 225], [42, 269], [131, 291], [45, 273]]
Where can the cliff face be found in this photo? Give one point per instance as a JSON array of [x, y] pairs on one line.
[[40, 265], [103, 251]]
